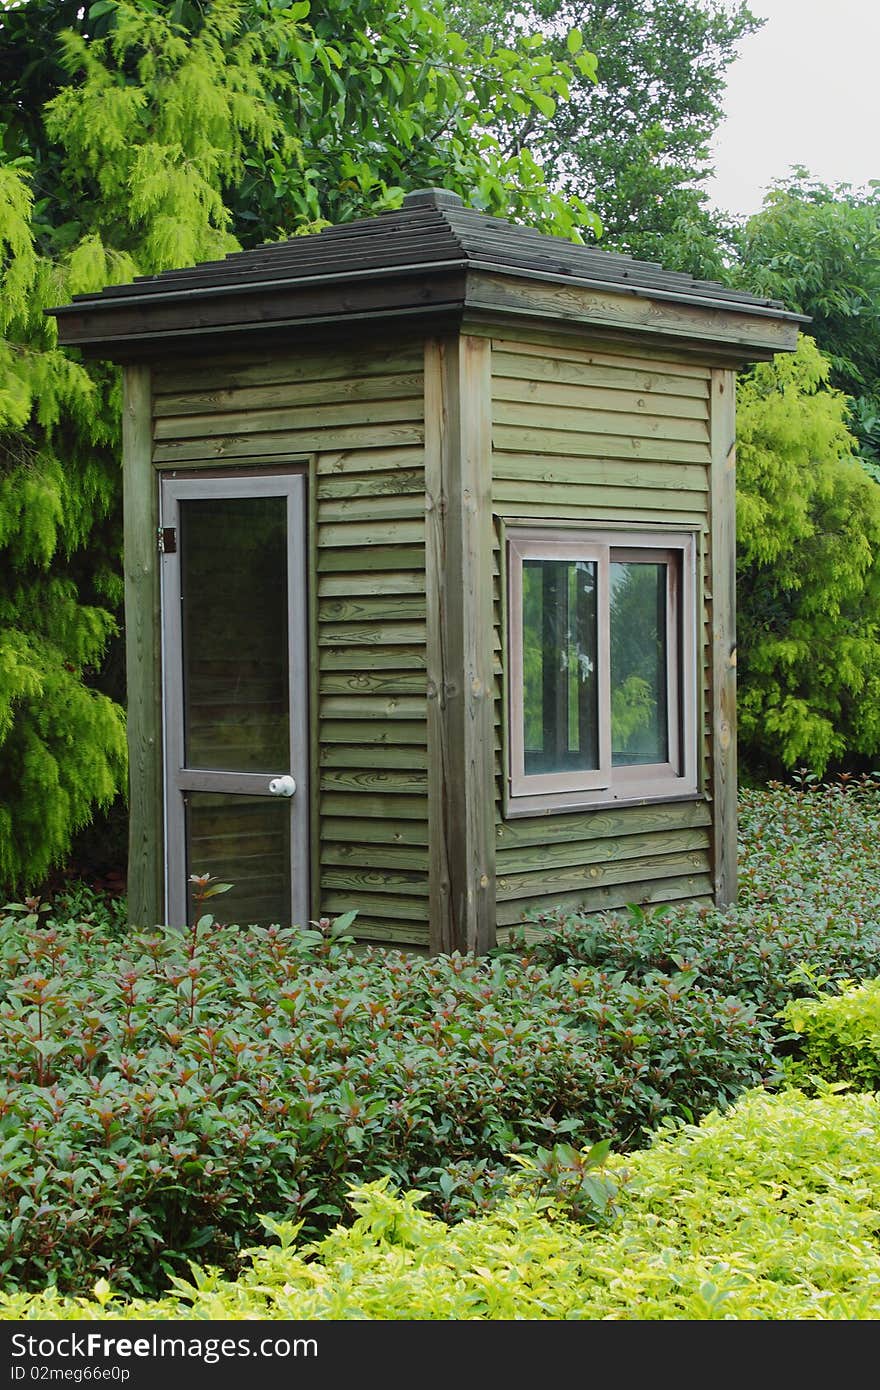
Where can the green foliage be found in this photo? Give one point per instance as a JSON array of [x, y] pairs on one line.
[[808, 908], [635, 142], [163, 1089], [808, 572], [818, 249], [766, 1212], [137, 137], [838, 1036]]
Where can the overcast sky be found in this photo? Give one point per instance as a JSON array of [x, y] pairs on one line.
[[804, 90]]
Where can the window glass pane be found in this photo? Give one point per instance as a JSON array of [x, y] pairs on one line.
[[245, 841], [560, 688], [639, 656], [233, 557]]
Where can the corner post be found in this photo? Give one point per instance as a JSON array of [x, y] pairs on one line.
[[142, 652], [722, 493], [458, 500]]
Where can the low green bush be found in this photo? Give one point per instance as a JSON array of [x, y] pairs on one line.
[[838, 1037], [809, 905], [162, 1091], [769, 1211]]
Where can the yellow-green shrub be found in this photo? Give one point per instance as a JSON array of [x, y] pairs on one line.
[[770, 1211], [838, 1036]]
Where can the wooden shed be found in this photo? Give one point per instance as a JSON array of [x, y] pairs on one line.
[[429, 566]]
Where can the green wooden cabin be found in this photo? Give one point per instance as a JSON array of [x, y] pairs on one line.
[[429, 564]]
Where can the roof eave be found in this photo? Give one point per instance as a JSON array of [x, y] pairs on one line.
[[119, 327]]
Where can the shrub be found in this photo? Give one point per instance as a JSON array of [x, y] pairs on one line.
[[838, 1037], [809, 905], [766, 1212], [164, 1090]]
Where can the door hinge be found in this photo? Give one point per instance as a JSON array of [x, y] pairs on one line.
[[167, 540]]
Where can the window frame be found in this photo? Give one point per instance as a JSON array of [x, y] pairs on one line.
[[676, 778]]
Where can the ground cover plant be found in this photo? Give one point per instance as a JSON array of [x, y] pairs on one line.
[[769, 1211], [807, 915], [166, 1091]]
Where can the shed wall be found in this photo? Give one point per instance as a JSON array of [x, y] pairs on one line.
[[600, 436], [358, 418]]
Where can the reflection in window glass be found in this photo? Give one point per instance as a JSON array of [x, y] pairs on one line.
[[245, 841], [559, 645], [639, 723], [233, 556]]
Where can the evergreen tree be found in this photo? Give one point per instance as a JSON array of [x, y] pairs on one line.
[[808, 572], [137, 137]]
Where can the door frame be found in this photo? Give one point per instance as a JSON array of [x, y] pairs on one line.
[[288, 481]]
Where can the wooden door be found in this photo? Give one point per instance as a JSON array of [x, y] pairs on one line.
[[235, 662]]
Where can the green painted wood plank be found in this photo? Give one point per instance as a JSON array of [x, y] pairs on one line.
[[659, 476], [353, 880], [375, 830], [231, 370], [555, 397], [535, 415], [366, 534], [723, 585], [142, 654], [409, 927], [370, 485], [378, 806], [610, 896], [523, 440], [644, 318], [534, 931], [382, 707], [619, 356], [546, 883], [373, 781], [375, 905], [370, 585], [374, 732], [365, 658], [583, 371], [376, 682], [368, 510], [231, 447], [371, 634], [624, 499], [602, 823], [353, 463], [379, 559], [606, 515], [407, 938], [571, 854], [345, 755], [314, 745], [409, 858], [369, 609], [459, 609], [276, 395]]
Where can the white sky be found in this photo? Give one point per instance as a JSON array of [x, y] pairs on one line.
[[804, 90]]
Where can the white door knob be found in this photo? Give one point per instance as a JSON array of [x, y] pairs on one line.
[[282, 786]]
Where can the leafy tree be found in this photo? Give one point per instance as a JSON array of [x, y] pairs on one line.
[[634, 143], [818, 249], [808, 572], [139, 136]]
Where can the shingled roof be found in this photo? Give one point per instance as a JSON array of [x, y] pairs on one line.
[[428, 259]]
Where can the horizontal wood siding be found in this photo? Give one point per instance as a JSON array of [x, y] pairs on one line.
[[600, 437], [360, 415]]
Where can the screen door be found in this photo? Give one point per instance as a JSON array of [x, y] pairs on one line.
[[234, 695]]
